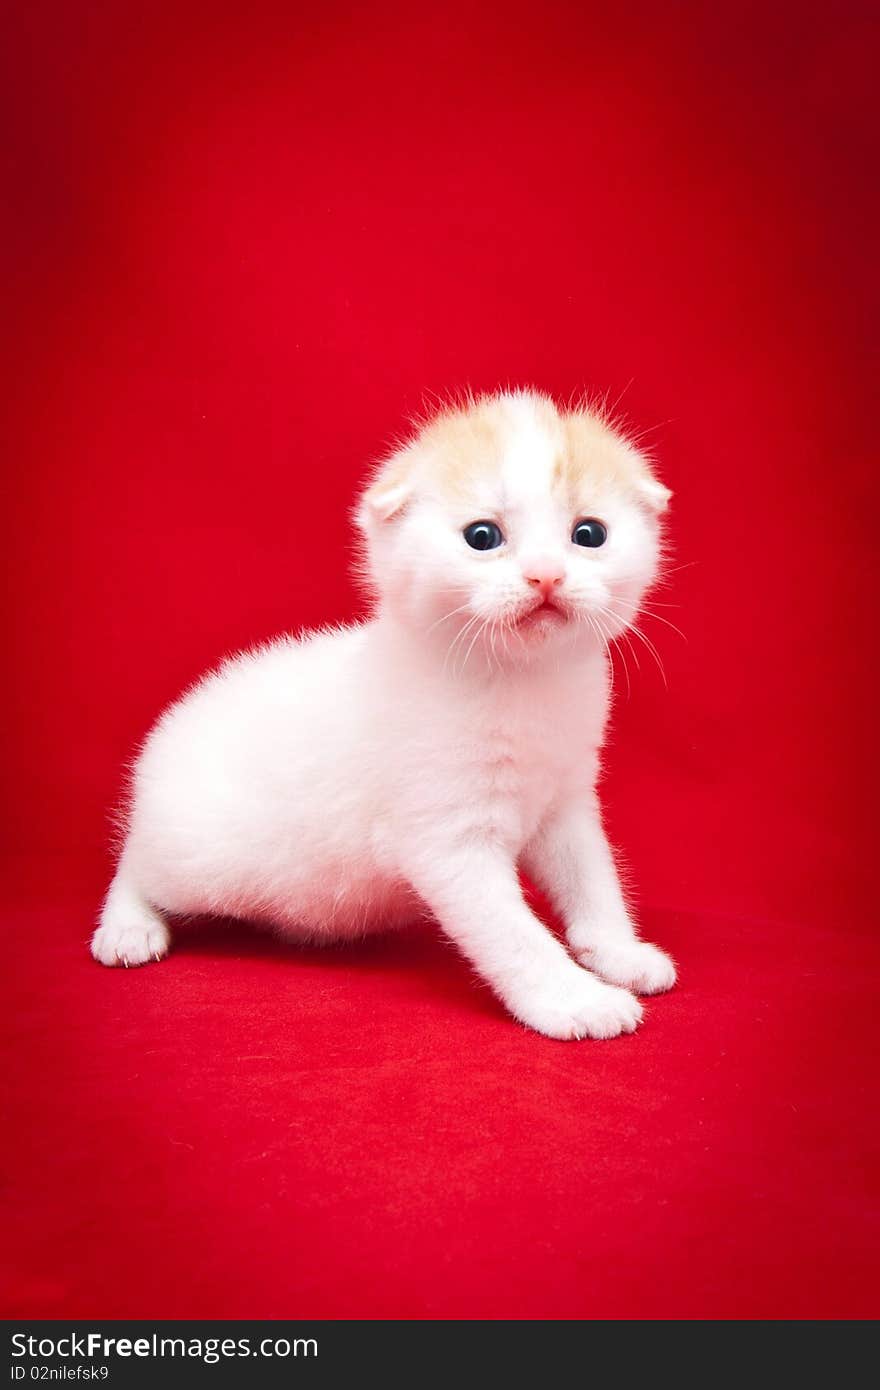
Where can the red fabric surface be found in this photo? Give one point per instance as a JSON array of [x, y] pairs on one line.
[[245, 240]]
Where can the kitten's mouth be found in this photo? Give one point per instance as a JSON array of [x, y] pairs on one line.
[[544, 614]]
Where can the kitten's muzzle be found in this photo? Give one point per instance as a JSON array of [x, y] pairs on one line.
[[546, 610]]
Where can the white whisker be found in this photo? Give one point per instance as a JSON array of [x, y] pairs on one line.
[[446, 616], [480, 630], [459, 636], [637, 632], [647, 609]]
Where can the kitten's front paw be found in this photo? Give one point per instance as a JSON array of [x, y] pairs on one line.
[[579, 1006], [635, 965], [135, 944]]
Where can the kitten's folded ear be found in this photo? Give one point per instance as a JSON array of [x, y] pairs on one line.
[[390, 490], [653, 493]]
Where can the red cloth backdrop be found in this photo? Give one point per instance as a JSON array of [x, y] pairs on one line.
[[244, 240]]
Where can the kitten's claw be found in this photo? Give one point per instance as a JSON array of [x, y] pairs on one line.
[[635, 965]]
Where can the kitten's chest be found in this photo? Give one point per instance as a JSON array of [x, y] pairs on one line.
[[527, 755]]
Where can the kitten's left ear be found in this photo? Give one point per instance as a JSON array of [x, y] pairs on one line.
[[389, 492], [653, 493]]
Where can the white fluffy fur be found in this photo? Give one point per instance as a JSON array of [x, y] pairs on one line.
[[333, 784]]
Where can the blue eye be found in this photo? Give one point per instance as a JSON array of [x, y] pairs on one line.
[[590, 532], [483, 535]]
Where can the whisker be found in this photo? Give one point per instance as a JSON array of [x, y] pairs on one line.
[[674, 569], [599, 632], [613, 647], [658, 618], [480, 630], [490, 650], [446, 616], [622, 655], [637, 632], [625, 637], [607, 641], [459, 636], [648, 611]]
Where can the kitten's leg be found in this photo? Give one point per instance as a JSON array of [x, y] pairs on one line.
[[131, 932], [476, 896], [571, 860]]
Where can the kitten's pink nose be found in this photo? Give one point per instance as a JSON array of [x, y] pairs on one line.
[[544, 575]]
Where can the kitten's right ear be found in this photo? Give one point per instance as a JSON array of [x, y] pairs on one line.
[[652, 491], [389, 492]]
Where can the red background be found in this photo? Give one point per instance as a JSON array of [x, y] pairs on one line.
[[244, 241]]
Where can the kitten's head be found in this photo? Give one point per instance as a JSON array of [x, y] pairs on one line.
[[507, 529]]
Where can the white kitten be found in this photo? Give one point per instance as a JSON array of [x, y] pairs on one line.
[[333, 783]]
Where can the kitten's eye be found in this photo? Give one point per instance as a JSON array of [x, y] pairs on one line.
[[483, 535], [590, 532]]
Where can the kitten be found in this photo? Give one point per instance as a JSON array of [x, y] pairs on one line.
[[335, 783]]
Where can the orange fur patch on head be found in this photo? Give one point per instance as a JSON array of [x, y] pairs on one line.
[[464, 446], [594, 456], [471, 443], [459, 451], [460, 447], [598, 455]]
